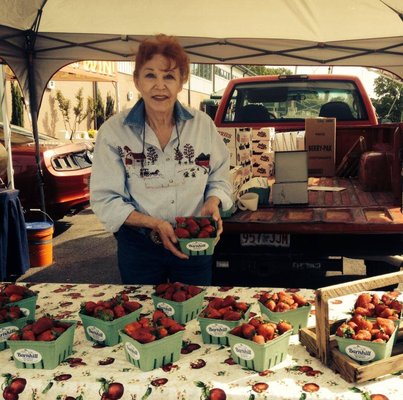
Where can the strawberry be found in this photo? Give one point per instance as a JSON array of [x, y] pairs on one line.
[[161, 288], [248, 331], [204, 222], [182, 233], [89, 307], [228, 301], [15, 297], [46, 336], [42, 324], [232, 316], [179, 296], [259, 339], [284, 326], [119, 311], [209, 229], [175, 328], [15, 289], [157, 315], [28, 335], [131, 305], [15, 336], [180, 221], [203, 234], [194, 290]]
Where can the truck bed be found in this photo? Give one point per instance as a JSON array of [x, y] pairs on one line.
[[351, 210]]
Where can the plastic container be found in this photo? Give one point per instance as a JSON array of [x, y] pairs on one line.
[[149, 356], [27, 306], [43, 355], [106, 332], [7, 328], [363, 351], [298, 318], [214, 331], [259, 357], [40, 243], [181, 312]]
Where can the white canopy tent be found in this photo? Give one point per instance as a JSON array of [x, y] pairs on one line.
[[38, 37]]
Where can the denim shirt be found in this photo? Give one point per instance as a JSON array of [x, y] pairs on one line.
[[131, 171]]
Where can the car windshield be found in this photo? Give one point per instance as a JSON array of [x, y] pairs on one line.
[[289, 101]]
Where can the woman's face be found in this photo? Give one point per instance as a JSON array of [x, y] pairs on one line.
[[158, 84]]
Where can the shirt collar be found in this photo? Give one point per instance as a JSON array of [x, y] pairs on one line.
[[136, 114]]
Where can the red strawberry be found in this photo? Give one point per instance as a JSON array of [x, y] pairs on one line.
[[180, 221], [119, 311], [161, 288], [179, 296], [175, 328], [42, 324], [46, 336], [89, 307], [182, 233], [28, 335], [204, 222], [157, 315], [14, 289], [131, 305], [210, 229], [15, 297], [203, 234]]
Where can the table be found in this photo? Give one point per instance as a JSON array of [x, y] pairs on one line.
[[14, 254], [90, 366]]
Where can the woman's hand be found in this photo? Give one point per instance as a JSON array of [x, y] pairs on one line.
[[211, 209], [168, 238]]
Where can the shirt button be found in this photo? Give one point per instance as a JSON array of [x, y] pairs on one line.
[[168, 159], [171, 181], [172, 201]]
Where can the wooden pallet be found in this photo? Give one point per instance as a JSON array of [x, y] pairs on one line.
[[320, 342]]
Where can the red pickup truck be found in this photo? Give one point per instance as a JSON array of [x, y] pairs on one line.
[[363, 221]]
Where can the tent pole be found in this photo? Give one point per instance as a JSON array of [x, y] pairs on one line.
[[34, 114], [6, 128]]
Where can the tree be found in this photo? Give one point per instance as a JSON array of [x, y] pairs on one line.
[[78, 111], [99, 110], [110, 106], [17, 105], [389, 103], [263, 70]]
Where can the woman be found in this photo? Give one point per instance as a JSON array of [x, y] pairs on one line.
[[155, 162]]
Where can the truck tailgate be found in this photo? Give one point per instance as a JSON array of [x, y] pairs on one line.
[[351, 210]]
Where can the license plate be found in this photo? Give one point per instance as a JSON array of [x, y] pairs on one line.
[[265, 239]]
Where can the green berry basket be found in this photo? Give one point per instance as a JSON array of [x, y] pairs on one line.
[[183, 311], [43, 355], [363, 351], [214, 331], [259, 357], [106, 332], [27, 305], [298, 318], [7, 328], [149, 356]]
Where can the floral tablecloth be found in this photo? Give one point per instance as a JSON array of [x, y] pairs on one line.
[[196, 373]]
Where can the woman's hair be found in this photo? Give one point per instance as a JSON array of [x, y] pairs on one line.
[[167, 46]]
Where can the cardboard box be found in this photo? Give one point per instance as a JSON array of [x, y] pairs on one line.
[[289, 141], [266, 134], [260, 146], [291, 166], [290, 193], [320, 142]]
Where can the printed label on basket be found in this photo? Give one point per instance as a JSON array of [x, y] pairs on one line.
[[168, 309], [360, 353], [25, 311], [217, 330], [96, 333], [197, 246], [6, 332], [132, 350], [243, 351], [27, 356]]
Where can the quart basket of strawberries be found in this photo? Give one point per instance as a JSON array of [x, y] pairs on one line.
[[11, 320], [220, 316], [103, 319], [179, 301], [42, 344], [366, 340], [260, 344], [150, 343], [197, 236], [21, 296], [282, 305]]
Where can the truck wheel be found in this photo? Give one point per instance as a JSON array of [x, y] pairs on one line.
[[375, 268]]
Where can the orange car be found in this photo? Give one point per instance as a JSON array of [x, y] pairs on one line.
[[66, 170]]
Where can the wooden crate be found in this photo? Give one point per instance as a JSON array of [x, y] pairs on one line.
[[320, 342]]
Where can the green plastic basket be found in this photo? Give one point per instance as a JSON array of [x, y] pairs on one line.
[[43, 355], [365, 352], [148, 356], [214, 331], [259, 357], [298, 318], [7, 328], [27, 305], [181, 312], [106, 332]]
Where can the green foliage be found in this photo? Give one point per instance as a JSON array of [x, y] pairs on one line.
[[17, 105], [263, 70], [64, 105], [99, 110], [389, 103], [110, 106]]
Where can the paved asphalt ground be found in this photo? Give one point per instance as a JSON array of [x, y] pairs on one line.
[[84, 252]]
